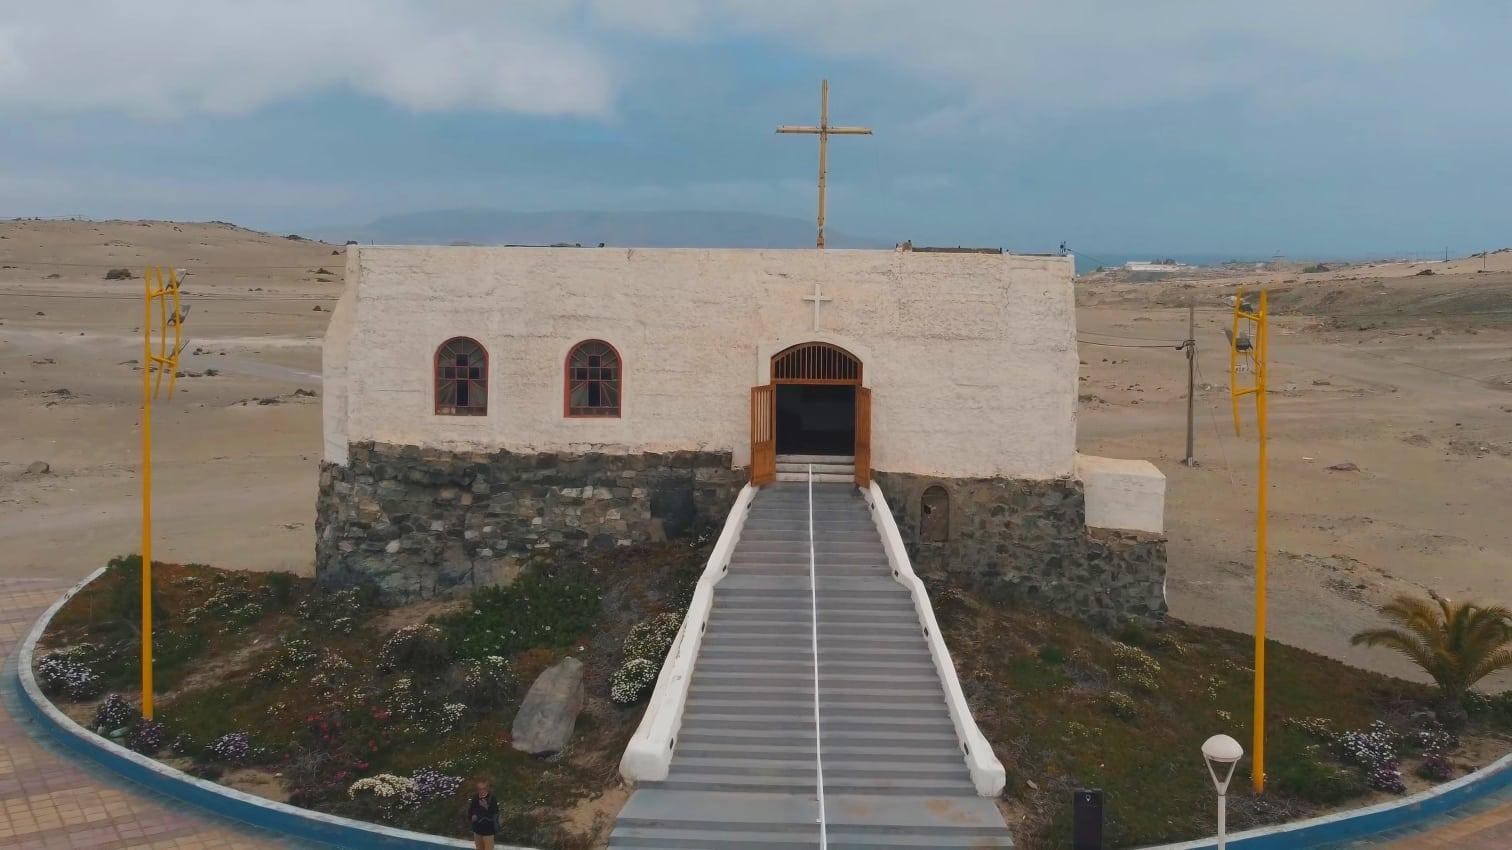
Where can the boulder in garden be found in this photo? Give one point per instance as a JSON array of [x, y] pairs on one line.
[[547, 716]]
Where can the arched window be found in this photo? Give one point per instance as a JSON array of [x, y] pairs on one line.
[[934, 515], [594, 377], [461, 378]]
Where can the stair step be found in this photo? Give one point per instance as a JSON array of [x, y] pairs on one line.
[[818, 477], [710, 839], [796, 458], [921, 838], [735, 783]]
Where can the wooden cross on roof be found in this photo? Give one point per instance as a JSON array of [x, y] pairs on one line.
[[823, 131]]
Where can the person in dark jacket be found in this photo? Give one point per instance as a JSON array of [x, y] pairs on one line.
[[483, 816]]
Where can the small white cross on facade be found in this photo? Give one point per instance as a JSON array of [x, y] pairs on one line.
[[818, 298]]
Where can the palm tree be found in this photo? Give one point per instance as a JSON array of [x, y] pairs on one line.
[[1458, 644]]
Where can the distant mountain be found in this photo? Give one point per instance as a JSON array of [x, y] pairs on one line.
[[670, 229]]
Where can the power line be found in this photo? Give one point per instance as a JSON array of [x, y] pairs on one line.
[[1175, 346], [1130, 337], [1217, 435]]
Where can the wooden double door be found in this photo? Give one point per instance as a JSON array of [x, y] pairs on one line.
[[821, 382]]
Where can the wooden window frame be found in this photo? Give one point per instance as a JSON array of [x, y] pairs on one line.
[[816, 364], [437, 381], [619, 382]]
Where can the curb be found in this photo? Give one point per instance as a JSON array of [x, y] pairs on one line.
[[269, 815], [1371, 820]]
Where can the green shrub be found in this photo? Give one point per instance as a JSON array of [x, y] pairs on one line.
[[1052, 655], [1306, 772], [419, 650], [1495, 709], [280, 588], [122, 594], [535, 611], [339, 611], [174, 645], [1134, 634]]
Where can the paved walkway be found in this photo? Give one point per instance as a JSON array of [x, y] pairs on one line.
[[49, 799]]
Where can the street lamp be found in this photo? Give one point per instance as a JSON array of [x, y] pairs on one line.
[[1221, 754]]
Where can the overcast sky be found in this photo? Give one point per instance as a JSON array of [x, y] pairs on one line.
[[1324, 127]]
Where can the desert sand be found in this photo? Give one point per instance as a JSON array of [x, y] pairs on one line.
[[1407, 376], [235, 479]]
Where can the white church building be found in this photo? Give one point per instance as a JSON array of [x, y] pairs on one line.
[[488, 407]]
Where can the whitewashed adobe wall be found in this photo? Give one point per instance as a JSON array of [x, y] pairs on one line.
[[971, 357]]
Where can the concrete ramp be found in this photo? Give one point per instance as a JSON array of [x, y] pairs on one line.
[[800, 678]]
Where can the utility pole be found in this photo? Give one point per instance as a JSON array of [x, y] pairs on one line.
[[1191, 352]]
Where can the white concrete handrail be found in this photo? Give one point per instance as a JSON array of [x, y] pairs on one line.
[[987, 772], [649, 754]]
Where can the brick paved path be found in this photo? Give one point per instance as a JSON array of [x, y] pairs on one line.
[[49, 799]]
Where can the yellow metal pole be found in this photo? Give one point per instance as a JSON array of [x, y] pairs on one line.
[[823, 144], [1262, 343], [1234, 357], [147, 365]]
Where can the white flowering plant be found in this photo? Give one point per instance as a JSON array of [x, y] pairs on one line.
[[231, 748], [633, 680], [1135, 667], [645, 650], [113, 714], [391, 794], [292, 656], [650, 639], [70, 673]]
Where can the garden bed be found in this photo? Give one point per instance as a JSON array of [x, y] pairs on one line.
[[325, 700], [1068, 707]]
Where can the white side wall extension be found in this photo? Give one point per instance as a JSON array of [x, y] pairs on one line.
[[649, 754], [1127, 495], [987, 772]]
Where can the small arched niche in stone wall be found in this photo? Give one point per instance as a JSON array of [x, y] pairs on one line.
[[934, 515]]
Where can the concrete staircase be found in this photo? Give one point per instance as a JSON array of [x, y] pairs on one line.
[[744, 772], [828, 469]]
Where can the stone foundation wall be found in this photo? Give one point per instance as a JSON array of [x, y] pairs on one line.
[[1030, 537], [420, 523]]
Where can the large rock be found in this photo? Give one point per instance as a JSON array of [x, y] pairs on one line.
[[544, 724]]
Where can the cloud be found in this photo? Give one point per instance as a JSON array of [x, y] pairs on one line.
[[230, 57], [1067, 54]]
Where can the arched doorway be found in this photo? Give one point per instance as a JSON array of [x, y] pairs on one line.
[[815, 409]]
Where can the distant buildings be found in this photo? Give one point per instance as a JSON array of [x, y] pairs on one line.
[[1155, 266]]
